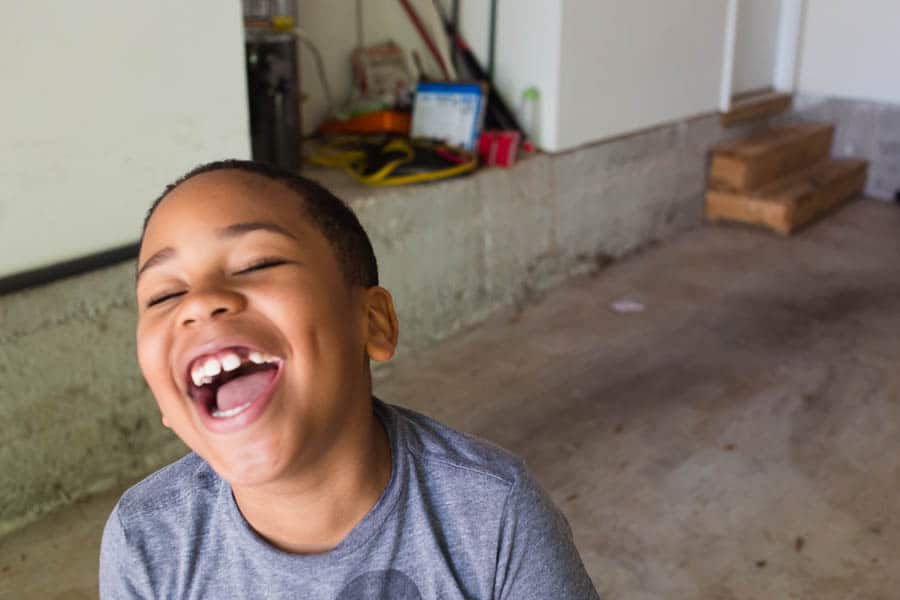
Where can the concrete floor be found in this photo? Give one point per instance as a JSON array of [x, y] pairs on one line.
[[738, 439]]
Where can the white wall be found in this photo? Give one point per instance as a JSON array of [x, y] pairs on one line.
[[851, 49], [103, 103], [331, 25], [756, 44], [528, 51], [631, 65], [603, 67]]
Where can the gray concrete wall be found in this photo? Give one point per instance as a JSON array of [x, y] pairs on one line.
[[863, 129], [75, 416]]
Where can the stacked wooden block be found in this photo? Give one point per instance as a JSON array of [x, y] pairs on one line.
[[781, 178]]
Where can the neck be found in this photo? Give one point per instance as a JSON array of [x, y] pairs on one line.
[[313, 511]]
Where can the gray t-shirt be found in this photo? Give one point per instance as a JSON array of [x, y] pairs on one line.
[[459, 519]]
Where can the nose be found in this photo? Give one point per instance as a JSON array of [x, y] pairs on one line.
[[210, 303]]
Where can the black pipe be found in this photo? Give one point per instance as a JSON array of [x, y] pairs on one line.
[[70, 268], [454, 24], [491, 41]]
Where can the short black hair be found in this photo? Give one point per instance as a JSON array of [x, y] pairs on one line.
[[328, 213]]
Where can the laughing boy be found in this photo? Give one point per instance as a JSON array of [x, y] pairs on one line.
[[259, 311]]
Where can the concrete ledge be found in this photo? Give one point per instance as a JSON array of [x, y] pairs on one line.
[[76, 418]]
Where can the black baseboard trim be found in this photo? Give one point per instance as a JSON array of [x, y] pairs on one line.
[[69, 268]]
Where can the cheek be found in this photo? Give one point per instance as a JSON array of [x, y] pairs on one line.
[[321, 331], [292, 313], [152, 353]]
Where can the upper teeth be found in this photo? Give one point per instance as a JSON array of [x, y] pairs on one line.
[[212, 367], [230, 362], [204, 371]]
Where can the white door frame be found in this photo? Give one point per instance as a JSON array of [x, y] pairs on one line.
[[790, 29], [790, 32], [731, 14]]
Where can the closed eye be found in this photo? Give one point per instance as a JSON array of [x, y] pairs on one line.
[[264, 263], [163, 298]]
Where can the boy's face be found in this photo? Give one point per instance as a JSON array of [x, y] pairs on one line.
[[248, 335]]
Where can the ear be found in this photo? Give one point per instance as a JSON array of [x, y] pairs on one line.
[[383, 329]]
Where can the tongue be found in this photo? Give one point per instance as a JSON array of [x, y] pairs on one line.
[[241, 390]]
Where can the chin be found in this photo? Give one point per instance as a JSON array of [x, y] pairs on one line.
[[249, 466]]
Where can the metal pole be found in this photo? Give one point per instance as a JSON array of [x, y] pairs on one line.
[[492, 41]]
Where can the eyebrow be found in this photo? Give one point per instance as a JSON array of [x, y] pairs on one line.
[[231, 231], [160, 257], [239, 229]]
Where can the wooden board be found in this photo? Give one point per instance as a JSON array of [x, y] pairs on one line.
[[794, 201], [750, 163], [756, 106]]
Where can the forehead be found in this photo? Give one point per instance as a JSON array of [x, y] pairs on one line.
[[211, 201]]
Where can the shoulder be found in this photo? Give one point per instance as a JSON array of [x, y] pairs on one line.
[[156, 523], [491, 508], [170, 494], [452, 453]]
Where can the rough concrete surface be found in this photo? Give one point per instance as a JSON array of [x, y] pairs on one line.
[[863, 129], [739, 439], [75, 417]]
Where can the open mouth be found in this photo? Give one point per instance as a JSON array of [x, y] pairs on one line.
[[228, 382]]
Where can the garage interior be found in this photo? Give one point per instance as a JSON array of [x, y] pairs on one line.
[[677, 309]]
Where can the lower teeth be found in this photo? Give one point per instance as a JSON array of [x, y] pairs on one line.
[[224, 414]]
